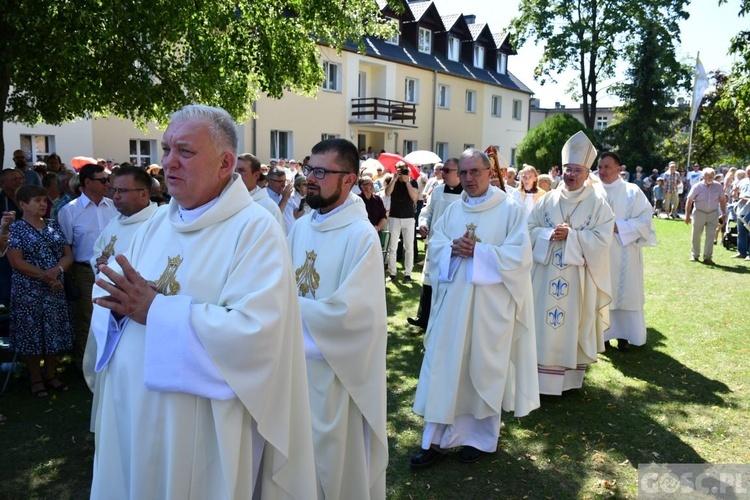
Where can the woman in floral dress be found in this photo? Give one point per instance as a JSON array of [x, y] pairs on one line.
[[40, 321]]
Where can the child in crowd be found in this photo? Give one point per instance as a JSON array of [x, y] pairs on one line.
[[658, 197]]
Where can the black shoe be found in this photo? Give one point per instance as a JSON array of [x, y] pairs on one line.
[[623, 345], [607, 346], [469, 455], [390, 278], [407, 279], [426, 458], [417, 322]]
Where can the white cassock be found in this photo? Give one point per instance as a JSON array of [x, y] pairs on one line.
[[633, 216], [571, 282], [480, 350], [437, 202], [260, 196], [338, 266], [115, 239], [209, 398]]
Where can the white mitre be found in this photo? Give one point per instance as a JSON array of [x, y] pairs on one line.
[[578, 150]]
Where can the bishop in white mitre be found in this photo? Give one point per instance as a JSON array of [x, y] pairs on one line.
[[571, 230]]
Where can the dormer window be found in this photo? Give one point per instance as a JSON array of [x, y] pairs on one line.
[[502, 63], [454, 48], [425, 41], [395, 38], [478, 56]]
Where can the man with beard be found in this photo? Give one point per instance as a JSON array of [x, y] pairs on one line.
[[571, 231], [338, 267], [633, 231], [440, 198], [480, 354], [248, 166]]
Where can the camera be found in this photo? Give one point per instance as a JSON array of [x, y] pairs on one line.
[[403, 171]]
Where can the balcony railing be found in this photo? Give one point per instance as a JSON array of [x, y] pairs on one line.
[[383, 110]]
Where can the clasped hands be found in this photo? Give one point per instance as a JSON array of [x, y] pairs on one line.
[[560, 233], [129, 293], [49, 278], [463, 246]]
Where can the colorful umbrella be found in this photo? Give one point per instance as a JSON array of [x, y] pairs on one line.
[[389, 160], [79, 161]]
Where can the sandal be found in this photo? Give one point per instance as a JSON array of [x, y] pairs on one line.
[[39, 390], [56, 384]]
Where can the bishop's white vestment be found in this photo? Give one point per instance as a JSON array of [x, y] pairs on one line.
[[633, 217], [338, 266], [209, 398], [480, 350], [261, 197], [571, 281], [115, 239]]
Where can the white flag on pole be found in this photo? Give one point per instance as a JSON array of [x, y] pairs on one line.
[[700, 85]]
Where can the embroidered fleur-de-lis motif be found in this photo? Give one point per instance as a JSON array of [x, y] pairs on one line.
[[471, 229], [167, 284], [110, 248], [307, 277], [558, 288], [555, 317]]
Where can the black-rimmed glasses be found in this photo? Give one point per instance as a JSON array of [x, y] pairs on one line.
[[103, 180], [320, 172], [126, 191]]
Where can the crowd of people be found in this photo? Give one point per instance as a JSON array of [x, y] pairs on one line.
[[235, 338]]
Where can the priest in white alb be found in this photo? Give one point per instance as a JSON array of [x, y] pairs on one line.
[[338, 266], [571, 231], [130, 194], [480, 350], [633, 230], [205, 394]]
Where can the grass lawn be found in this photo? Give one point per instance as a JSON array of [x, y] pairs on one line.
[[681, 398]]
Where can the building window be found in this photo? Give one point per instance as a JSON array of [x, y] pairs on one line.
[[512, 156], [601, 122], [409, 146], [142, 152], [478, 56], [325, 137], [454, 48], [425, 41], [517, 109], [281, 144], [471, 101], [395, 38], [332, 80], [502, 63], [468, 146], [444, 96], [497, 105], [441, 149], [411, 90], [37, 147]]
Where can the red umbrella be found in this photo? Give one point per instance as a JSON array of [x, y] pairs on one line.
[[389, 161], [79, 161]]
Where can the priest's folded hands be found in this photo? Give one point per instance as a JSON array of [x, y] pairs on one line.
[[463, 246], [129, 293], [560, 233]]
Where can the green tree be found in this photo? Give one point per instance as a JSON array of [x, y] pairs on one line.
[[718, 135], [140, 60], [588, 36], [542, 146], [647, 115]]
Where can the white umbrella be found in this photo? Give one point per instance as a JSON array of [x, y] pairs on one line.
[[371, 166], [423, 157]]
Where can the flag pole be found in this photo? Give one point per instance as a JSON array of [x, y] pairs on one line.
[[692, 119]]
